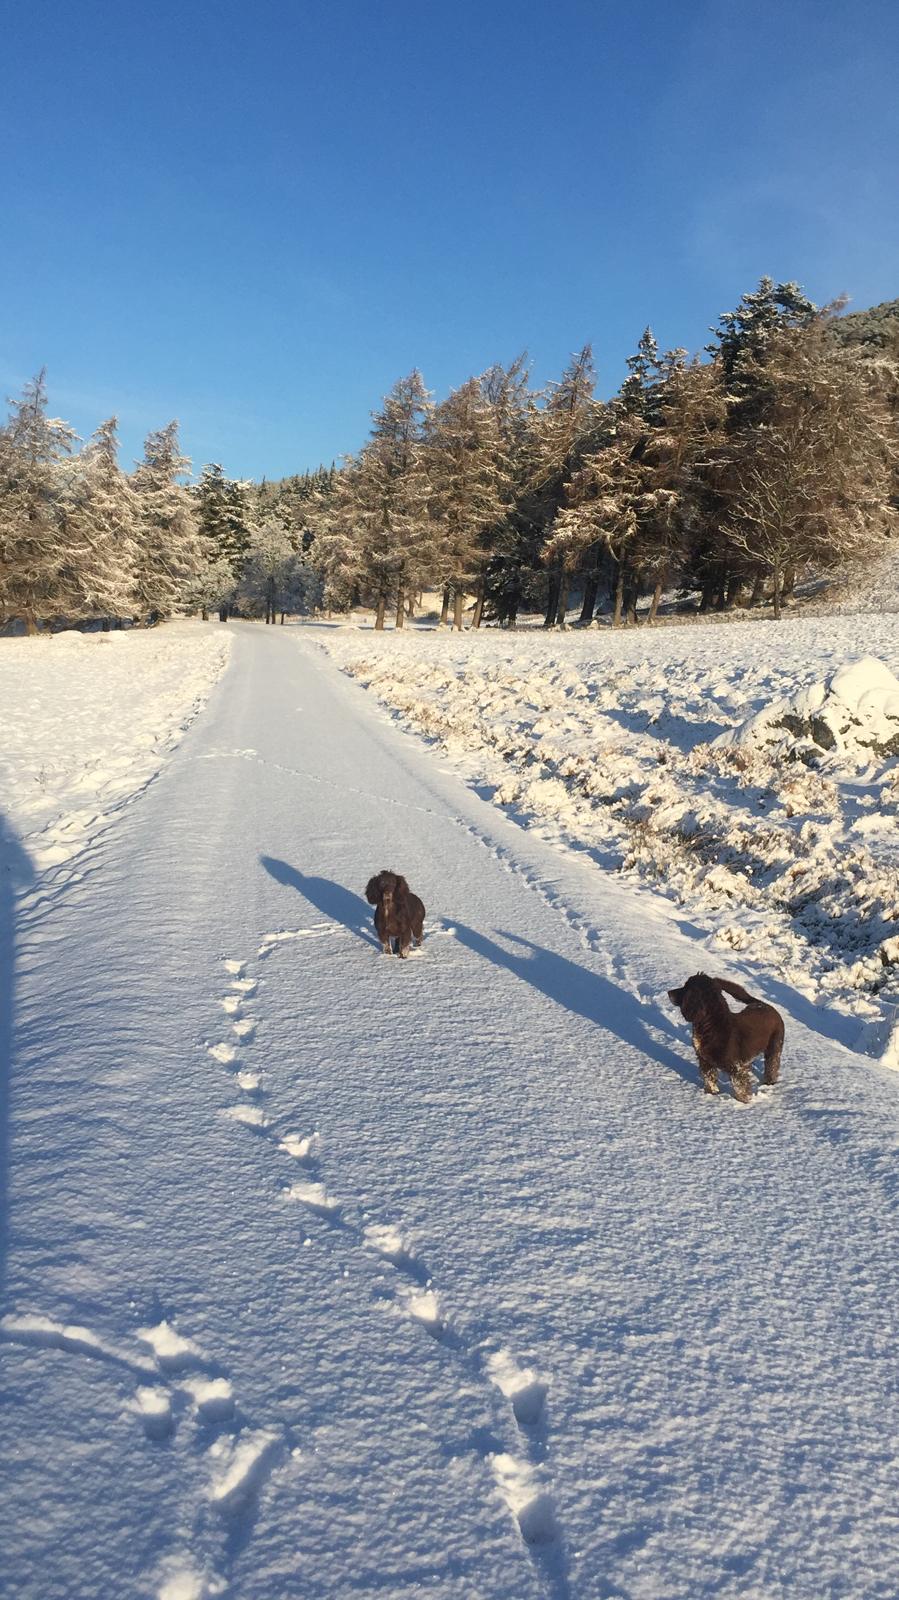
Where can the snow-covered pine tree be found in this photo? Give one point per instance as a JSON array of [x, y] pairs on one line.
[[810, 487], [224, 516], [169, 557], [562, 433], [336, 548], [469, 480], [99, 511], [34, 584], [396, 540]]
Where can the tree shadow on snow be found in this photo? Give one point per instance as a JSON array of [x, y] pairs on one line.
[[330, 898], [585, 993], [16, 873]]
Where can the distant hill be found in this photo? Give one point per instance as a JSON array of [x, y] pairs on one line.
[[876, 330]]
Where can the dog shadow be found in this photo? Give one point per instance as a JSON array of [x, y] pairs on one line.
[[330, 898], [587, 994]]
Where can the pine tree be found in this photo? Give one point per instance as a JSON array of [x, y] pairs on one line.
[[223, 516], [99, 511], [169, 558], [396, 545], [34, 579], [469, 479]]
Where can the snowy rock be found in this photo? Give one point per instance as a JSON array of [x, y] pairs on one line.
[[853, 713]]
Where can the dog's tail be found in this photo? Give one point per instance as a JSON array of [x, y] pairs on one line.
[[738, 992]]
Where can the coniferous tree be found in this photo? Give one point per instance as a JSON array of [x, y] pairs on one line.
[[469, 479], [168, 555], [33, 447]]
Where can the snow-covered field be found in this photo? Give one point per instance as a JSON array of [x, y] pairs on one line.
[[327, 1276], [88, 719], [664, 755]]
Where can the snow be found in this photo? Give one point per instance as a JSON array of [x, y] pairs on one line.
[[446, 1280], [693, 760], [88, 720]]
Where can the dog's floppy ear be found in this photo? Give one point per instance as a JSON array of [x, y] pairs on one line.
[[402, 887], [675, 996], [371, 891]]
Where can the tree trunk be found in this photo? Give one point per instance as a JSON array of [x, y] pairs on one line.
[[31, 627], [552, 599], [562, 608], [283, 615], [478, 605], [591, 590], [656, 600], [458, 602], [444, 609], [379, 614], [789, 582], [778, 590], [619, 597], [758, 588], [400, 608]]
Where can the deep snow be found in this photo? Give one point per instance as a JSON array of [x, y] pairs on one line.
[[333, 1275]]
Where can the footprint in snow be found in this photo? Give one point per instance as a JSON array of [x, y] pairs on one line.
[[236, 967], [301, 1147], [241, 1465], [315, 1196], [251, 1116], [172, 1350], [213, 1398], [154, 1407], [249, 1081], [224, 1053], [246, 986], [244, 1029], [527, 1499], [231, 1005], [525, 1392]]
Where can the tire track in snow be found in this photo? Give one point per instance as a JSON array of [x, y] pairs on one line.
[[521, 1475]]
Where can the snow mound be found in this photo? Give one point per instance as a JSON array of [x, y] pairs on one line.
[[853, 713]]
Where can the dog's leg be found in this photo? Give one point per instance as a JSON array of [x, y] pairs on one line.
[[772, 1059], [741, 1078], [709, 1076]]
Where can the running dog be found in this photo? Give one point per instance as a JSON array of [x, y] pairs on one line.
[[729, 1041], [399, 914]]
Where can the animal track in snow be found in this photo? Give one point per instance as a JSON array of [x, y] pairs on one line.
[[172, 1350], [224, 1053], [246, 986], [46, 1334], [525, 1392], [154, 1406], [212, 1397], [302, 1148], [230, 1005], [249, 1080], [244, 1029], [236, 967], [315, 1196], [253, 1116], [240, 1466], [423, 1306], [526, 1497]]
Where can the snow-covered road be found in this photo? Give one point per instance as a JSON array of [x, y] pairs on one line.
[[332, 1275]]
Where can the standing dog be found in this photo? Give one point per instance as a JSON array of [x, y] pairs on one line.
[[729, 1041], [399, 914]]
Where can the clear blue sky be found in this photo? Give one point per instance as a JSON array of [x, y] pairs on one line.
[[256, 216]]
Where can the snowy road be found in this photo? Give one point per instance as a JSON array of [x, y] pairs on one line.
[[334, 1276]]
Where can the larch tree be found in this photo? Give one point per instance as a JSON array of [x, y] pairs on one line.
[[396, 542], [469, 478], [35, 584], [99, 513]]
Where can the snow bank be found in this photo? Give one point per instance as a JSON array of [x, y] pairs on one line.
[[671, 756], [88, 719]]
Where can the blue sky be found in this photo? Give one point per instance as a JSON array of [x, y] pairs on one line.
[[255, 217]]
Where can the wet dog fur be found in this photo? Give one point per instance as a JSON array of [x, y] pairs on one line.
[[729, 1041]]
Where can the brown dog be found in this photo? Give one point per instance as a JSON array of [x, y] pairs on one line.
[[399, 914], [729, 1041]]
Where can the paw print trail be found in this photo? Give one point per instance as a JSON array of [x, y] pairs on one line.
[[516, 1455], [181, 1392]]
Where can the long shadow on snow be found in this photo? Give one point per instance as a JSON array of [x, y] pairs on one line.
[[585, 993], [16, 872], [332, 899]]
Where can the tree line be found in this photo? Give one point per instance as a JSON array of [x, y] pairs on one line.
[[724, 477], [81, 538]]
